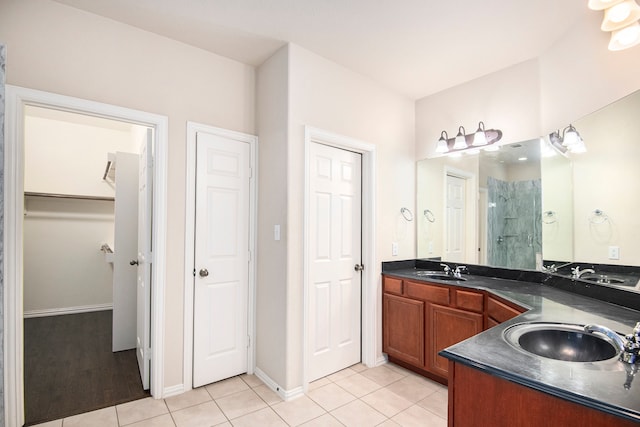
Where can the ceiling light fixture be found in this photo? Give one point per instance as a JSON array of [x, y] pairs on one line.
[[570, 141], [621, 18], [470, 144]]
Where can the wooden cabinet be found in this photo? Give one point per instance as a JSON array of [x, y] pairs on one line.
[[419, 319], [403, 329], [446, 327], [477, 399], [499, 310]]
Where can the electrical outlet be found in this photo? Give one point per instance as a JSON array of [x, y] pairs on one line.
[[614, 252], [394, 249], [276, 232], [430, 248]]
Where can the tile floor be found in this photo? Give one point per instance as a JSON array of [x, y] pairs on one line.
[[387, 395]]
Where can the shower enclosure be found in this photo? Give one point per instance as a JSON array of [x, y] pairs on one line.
[[514, 232]]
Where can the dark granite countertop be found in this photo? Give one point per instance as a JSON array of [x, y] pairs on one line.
[[599, 385]]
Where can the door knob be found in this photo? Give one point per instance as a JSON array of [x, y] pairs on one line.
[[134, 262], [358, 267], [204, 272]]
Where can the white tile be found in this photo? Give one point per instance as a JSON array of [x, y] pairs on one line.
[[414, 388], [386, 402], [437, 403], [326, 420], [331, 396], [319, 383], [251, 380], [382, 375], [416, 416], [358, 367], [204, 414], [358, 385], [341, 374], [264, 418], [226, 387], [106, 417], [239, 404], [358, 414], [161, 421], [298, 411], [142, 409], [268, 395], [56, 423], [190, 398], [388, 423]]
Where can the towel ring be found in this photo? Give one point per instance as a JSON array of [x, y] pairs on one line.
[[429, 215], [549, 217], [598, 217], [406, 214]]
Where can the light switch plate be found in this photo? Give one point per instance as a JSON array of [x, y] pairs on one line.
[[394, 249], [614, 252], [276, 232]]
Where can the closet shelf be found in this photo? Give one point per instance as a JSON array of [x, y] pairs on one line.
[[69, 196]]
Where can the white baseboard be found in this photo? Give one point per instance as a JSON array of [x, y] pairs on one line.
[[67, 310], [174, 390], [285, 394]]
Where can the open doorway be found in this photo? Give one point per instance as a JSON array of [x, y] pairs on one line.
[[80, 262], [153, 259]]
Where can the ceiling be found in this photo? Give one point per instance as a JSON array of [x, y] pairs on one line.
[[414, 47]]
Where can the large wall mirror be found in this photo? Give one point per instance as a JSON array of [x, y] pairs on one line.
[[527, 204]]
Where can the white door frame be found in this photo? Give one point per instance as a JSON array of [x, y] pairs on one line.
[[189, 245], [371, 330], [17, 99]]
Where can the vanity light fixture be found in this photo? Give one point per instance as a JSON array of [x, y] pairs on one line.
[[621, 18], [470, 144], [480, 137], [570, 140]]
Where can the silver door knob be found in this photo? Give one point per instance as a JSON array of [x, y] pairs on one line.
[[204, 272], [134, 262], [358, 267]]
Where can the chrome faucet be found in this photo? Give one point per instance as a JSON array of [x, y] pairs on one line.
[[457, 273], [576, 273], [629, 347]]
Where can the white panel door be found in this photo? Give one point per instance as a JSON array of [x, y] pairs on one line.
[[335, 240], [455, 219], [126, 249], [220, 334], [143, 293]]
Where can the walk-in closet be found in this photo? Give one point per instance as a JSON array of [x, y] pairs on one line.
[[81, 190]]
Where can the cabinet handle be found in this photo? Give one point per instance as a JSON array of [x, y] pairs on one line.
[[134, 262]]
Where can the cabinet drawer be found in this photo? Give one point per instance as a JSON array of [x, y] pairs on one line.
[[469, 300], [431, 293], [500, 311], [392, 285]]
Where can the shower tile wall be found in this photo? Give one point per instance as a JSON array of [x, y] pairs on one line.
[[514, 232], [2, 98]]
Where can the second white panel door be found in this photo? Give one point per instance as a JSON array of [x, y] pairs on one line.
[[335, 255], [220, 334]]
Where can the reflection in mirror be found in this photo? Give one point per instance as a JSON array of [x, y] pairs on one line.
[[511, 178], [605, 178], [486, 207]]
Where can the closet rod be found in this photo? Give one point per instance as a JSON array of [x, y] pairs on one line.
[[70, 196]]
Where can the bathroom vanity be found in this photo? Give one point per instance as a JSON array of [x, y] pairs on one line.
[[453, 331]]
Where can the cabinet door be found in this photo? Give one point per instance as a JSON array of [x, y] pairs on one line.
[[403, 329], [448, 326]]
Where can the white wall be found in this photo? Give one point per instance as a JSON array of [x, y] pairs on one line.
[[272, 120], [324, 95], [64, 269], [508, 100], [56, 48]]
